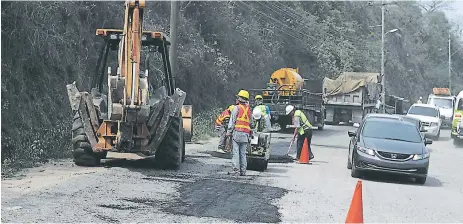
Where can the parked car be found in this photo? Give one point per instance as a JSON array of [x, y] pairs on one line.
[[429, 116], [388, 143]]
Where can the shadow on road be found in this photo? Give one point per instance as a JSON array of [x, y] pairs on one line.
[[276, 170], [400, 179], [443, 139]]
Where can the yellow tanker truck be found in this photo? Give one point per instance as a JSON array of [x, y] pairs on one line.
[[287, 87]]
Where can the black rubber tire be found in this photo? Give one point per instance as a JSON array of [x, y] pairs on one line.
[[349, 164], [354, 172], [170, 153], [81, 148], [456, 142], [438, 136], [420, 180]]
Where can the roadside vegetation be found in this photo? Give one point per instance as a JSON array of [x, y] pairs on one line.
[[223, 46]]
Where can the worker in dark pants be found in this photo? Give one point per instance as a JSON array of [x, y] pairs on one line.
[[303, 129]]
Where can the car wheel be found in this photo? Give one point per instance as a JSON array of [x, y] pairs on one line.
[[353, 171], [421, 180], [349, 164]]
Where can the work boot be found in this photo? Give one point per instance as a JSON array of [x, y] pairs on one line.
[[311, 157], [242, 173], [220, 150], [234, 172]]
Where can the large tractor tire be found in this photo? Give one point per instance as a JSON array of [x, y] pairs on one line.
[[171, 152], [82, 150]]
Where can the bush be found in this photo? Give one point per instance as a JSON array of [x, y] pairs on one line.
[[203, 124]]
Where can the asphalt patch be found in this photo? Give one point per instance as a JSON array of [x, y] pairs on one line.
[[240, 202]]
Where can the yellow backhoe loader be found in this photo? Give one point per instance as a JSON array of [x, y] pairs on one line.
[[123, 114]]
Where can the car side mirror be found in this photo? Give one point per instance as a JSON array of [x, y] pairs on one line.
[[427, 141], [356, 125], [351, 133]]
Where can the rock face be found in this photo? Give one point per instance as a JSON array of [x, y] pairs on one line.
[[223, 46]]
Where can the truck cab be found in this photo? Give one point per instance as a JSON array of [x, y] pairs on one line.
[[442, 99], [456, 132]]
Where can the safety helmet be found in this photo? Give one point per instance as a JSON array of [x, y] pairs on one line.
[[289, 108], [244, 94], [421, 98], [258, 97], [257, 113], [231, 107]]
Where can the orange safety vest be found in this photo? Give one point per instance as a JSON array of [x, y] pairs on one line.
[[243, 121], [223, 117]]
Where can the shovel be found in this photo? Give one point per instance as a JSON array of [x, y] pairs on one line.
[[291, 143]]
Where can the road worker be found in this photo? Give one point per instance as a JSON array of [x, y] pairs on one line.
[[221, 125], [419, 101], [239, 128], [260, 104], [303, 129], [259, 124]]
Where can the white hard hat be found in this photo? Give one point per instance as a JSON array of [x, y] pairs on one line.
[[421, 97], [257, 113], [289, 108]]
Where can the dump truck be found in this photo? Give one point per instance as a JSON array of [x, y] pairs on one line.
[[287, 87], [443, 99], [397, 105], [350, 96], [123, 113]]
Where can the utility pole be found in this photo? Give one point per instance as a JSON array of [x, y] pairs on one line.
[[383, 77], [450, 67], [173, 36]]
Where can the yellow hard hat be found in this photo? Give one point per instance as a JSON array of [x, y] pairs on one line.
[[244, 94], [258, 97], [231, 107]]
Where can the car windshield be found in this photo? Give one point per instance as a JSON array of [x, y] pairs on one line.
[[391, 129], [441, 102], [424, 111]]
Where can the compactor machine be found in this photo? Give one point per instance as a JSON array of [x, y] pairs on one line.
[[123, 114]]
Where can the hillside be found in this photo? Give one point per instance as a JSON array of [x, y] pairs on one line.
[[223, 46]]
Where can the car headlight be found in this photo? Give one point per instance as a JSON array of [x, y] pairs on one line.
[[366, 150], [421, 156], [434, 124]]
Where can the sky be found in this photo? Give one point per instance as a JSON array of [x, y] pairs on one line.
[[456, 13]]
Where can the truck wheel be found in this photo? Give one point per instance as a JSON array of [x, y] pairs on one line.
[[82, 150], [170, 153]]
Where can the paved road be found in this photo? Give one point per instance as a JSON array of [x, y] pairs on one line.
[[202, 192]]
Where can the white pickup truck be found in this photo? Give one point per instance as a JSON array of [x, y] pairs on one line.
[[445, 103]]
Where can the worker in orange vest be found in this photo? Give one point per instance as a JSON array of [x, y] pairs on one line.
[[221, 124], [240, 127]]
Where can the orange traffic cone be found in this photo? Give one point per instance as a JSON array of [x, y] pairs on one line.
[[304, 158], [355, 214]]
